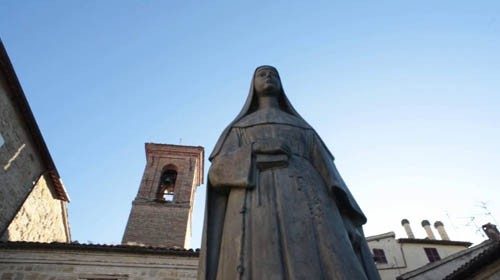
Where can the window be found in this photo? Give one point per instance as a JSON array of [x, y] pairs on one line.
[[379, 256], [166, 186], [432, 254]]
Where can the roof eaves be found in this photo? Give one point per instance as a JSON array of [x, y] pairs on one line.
[[434, 242], [486, 257], [100, 248]]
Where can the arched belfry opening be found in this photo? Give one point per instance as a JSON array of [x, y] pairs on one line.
[[166, 186]]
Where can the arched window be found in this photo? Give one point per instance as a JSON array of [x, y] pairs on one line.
[[166, 188]]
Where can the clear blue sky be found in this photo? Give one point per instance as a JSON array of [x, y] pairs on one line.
[[406, 94]]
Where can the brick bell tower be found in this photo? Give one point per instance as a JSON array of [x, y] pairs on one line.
[[161, 212]]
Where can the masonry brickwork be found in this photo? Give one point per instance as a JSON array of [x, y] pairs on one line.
[[20, 167], [42, 218], [155, 222], [81, 262]]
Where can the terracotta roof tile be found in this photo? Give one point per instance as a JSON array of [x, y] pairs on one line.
[[486, 257], [102, 247]]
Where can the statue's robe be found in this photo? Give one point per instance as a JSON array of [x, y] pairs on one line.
[[277, 216]]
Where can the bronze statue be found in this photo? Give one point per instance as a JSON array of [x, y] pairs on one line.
[[277, 207]]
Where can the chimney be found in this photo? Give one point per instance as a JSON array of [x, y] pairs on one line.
[[406, 224], [442, 232], [491, 231], [428, 230]]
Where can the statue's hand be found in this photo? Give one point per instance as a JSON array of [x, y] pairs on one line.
[[271, 147]]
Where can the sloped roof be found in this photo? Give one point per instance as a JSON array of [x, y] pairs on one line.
[[18, 98], [486, 257]]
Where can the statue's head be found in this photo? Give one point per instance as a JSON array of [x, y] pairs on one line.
[[267, 81]]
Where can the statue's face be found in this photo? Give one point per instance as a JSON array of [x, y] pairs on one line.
[[266, 81]]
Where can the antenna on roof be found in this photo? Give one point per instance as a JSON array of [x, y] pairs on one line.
[[484, 205], [472, 223], [450, 220]]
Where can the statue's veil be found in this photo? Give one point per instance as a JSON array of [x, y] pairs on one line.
[[251, 105]]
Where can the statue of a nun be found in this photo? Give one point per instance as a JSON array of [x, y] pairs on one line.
[[276, 206]]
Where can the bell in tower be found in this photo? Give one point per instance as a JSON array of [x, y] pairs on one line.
[[167, 186], [161, 212]]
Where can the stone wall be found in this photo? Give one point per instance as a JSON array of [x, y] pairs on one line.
[[20, 164], [42, 217], [87, 262]]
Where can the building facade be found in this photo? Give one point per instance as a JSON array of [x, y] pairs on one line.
[[33, 201], [479, 262], [394, 257]]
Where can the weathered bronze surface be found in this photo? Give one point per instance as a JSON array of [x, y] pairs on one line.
[[277, 207]]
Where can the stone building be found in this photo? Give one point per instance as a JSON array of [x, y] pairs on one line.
[[33, 201]]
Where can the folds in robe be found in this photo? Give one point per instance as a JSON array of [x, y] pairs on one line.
[[279, 216]]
